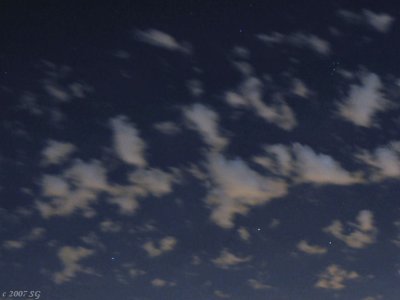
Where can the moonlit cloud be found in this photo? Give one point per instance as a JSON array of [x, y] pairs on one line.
[[237, 188], [127, 143], [166, 244], [380, 22], [300, 40], [70, 258], [163, 40], [249, 94], [362, 234], [364, 101], [57, 152], [334, 278], [227, 259], [305, 247], [206, 122]]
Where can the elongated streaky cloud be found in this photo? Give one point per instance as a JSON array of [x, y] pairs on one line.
[[227, 259], [364, 101], [163, 40], [299, 40], [127, 142], [379, 21]]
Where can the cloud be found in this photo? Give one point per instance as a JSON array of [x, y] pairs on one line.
[[334, 277], [250, 95], [305, 247], [205, 121], [299, 40], [76, 189], [321, 168], [236, 188], [384, 161], [221, 294], [195, 87], [381, 22], [226, 260], [364, 101], [163, 40], [70, 258], [363, 233], [167, 127], [166, 244], [127, 142], [110, 226], [57, 152], [244, 234], [257, 285], [158, 282], [143, 182], [300, 89], [279, 159]]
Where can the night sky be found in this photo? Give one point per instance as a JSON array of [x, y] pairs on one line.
[[200, 150]]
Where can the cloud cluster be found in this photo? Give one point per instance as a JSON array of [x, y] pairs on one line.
[[380, 22], [249, 95], [363, 233], [166, 244], [236, 188], [334, 277], [70, 258], [299, 40]]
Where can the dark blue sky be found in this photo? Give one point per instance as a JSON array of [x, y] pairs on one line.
[[199, 150]]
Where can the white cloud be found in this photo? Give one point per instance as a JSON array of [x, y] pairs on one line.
[[221, 294], [163, 40], [321, 168], [127, 142], [362, 234], [244, 234], [384, 161], [110, 226], [227, 259], [334, 277], [236, 188], [364, 101], [167, 127], [381, 22], [300, 40], [205, 121], [88, 179], [144, 182], [257, 285], [299, 88], [158, 282], [195, 87], [166, 244], [70, 258], [57, 152], [305, 247], [250, 94]]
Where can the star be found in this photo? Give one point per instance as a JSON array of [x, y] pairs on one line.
[[258, 229]]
